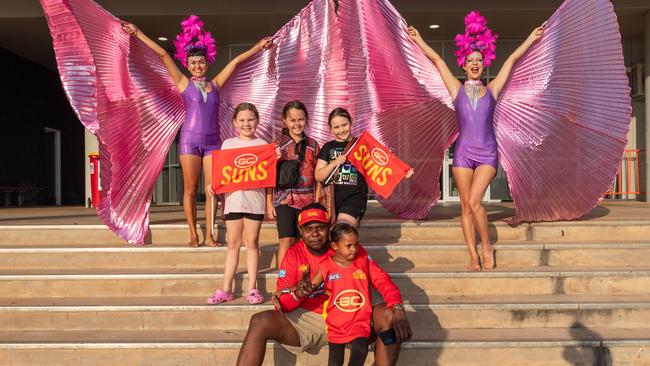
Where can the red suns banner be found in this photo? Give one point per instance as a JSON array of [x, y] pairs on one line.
[[243, 168], [382, 169]]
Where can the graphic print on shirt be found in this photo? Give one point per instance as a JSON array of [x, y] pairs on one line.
[[348, 174]]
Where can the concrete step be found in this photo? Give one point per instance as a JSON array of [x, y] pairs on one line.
[[509, 254], [372, 230], [421, 280], [503, 347], [431, 312]]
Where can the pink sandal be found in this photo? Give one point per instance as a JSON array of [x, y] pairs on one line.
[[254, 297], [219, 297]]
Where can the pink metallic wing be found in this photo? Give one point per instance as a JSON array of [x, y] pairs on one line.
[[562, 119], [123, 94], [363, 60]]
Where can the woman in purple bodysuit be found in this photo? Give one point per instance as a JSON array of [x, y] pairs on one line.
[[200, 130], [475, 154]]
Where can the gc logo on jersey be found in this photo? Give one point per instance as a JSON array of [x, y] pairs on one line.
[[350, 301], [333, 276]]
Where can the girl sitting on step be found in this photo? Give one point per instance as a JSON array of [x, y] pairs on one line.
[[348, 273]]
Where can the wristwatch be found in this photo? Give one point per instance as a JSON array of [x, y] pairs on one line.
[[290, 292], [398, 306]]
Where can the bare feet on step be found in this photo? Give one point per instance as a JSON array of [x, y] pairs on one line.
[[210, 242], [488, 257], [194, 241], [474, 265]]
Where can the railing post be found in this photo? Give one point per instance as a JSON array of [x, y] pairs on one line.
[[646, 37]]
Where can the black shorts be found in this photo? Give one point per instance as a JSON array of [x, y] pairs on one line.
[[353, 205], [287, 221], [243, 215]]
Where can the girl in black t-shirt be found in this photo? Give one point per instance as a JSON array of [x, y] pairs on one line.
[[350, 188]]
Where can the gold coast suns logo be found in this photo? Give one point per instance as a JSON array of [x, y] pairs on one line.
[[375, 162], [350, 301], [359, 275], [379, 156], [245, 167], [244, 161]]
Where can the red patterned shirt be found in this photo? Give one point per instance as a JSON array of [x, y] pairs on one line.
[[303, 193]]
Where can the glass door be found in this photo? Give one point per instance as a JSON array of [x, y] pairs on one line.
[[169, 186]]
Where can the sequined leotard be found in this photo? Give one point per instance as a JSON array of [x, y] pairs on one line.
[[476, 144], [200, 129]]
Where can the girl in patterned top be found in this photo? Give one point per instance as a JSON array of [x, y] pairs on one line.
[[284, 204]]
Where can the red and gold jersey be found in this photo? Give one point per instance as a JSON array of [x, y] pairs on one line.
[[348, 311], [297, 260]]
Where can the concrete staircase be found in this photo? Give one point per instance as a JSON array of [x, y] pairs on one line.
[[564, 294]]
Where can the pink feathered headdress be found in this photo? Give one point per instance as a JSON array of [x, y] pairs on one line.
[[477, 37], [194, 37]]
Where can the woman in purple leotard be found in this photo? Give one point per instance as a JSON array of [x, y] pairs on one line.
[[200, 130], [475, 154]]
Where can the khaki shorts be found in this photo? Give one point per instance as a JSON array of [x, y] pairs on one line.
[[310, 327]]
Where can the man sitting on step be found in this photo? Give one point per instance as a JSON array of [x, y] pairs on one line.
[[299, 325]]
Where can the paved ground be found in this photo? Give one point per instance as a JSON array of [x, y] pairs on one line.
[[609, 210]]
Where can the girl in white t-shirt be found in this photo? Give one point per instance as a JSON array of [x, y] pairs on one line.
[[244, 212]]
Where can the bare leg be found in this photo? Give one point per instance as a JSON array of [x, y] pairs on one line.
[[343, 217], [209, 210], [382, 318], [283, 245], [482, 177], [251, 240], [463, 178], [265, 326], [191, 167], [234, 230]]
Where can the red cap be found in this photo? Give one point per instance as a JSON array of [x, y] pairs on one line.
[[312, 214]]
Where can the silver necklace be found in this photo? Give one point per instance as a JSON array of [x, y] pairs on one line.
[[202, 86], [473, 91]]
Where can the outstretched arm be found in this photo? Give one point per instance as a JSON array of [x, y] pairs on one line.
[[451, 82], [502, 77], [227, 71], [179, 79]]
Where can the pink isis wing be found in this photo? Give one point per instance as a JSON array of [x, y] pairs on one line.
[[562, 119], [123, 94], [363, 60]]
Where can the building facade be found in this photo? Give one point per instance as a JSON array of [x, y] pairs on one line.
[[36, 115]]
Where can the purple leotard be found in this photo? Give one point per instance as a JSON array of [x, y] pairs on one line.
[[200, 130], [476, 144]]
